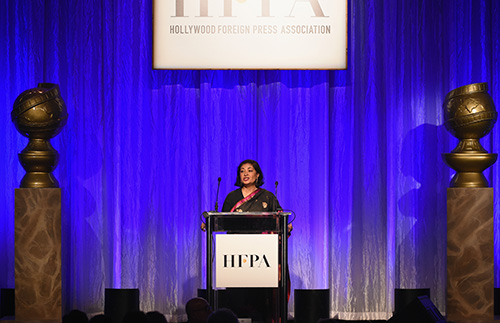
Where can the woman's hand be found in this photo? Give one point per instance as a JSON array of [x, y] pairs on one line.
[[203, 227], [290, 228]]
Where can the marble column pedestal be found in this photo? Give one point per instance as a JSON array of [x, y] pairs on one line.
[[470, 275], [38, 254]]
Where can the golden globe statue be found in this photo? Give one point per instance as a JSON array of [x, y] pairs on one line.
[[469, 115], [39, 114]]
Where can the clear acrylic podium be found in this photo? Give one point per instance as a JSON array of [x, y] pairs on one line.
[[249, 223]]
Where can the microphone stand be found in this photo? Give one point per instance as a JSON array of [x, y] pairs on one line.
[[279, 209], [217, 198]]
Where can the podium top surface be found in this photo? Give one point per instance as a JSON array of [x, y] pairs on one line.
[[247, 222], [240, 214]]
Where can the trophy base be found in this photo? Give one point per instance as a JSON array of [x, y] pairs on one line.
[[39, 159], [469, 168]]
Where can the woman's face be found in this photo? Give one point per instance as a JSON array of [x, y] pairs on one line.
[[248, 175]]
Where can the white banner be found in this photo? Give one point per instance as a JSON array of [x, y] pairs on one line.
[[250, 34], [246, 260]]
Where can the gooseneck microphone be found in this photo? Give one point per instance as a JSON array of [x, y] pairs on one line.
[[217, 198], [278, 209]]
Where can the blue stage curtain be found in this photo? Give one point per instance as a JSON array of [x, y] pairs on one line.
[[357, 153]]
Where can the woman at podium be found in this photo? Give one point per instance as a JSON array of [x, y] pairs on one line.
[[250, 197], [259, 304]]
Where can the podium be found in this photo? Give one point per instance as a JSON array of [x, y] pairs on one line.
[[248, 268]]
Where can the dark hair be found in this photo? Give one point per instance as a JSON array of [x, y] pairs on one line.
[[101, 318], [75, 316], [223, 315], [155, 317], [135, 317], [255, 165]]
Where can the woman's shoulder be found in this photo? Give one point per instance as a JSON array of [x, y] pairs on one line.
[[270, 199], [236, 192], [267, 193], [234, 195], [231, 199]]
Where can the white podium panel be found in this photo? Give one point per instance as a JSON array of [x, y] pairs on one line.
[[246, 260]]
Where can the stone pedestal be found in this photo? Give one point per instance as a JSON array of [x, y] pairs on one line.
[[470, 275], [38, 253]]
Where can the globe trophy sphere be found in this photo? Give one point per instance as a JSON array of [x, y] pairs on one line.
[[469, 115], [39, 114]]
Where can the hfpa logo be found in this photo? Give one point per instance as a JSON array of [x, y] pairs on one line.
[[242, 260], [265, 8]]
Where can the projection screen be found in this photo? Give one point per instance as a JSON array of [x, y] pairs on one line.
[[249, 34]]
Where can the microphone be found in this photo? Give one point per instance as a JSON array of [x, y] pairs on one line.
[[217, 198], [278, 209]]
